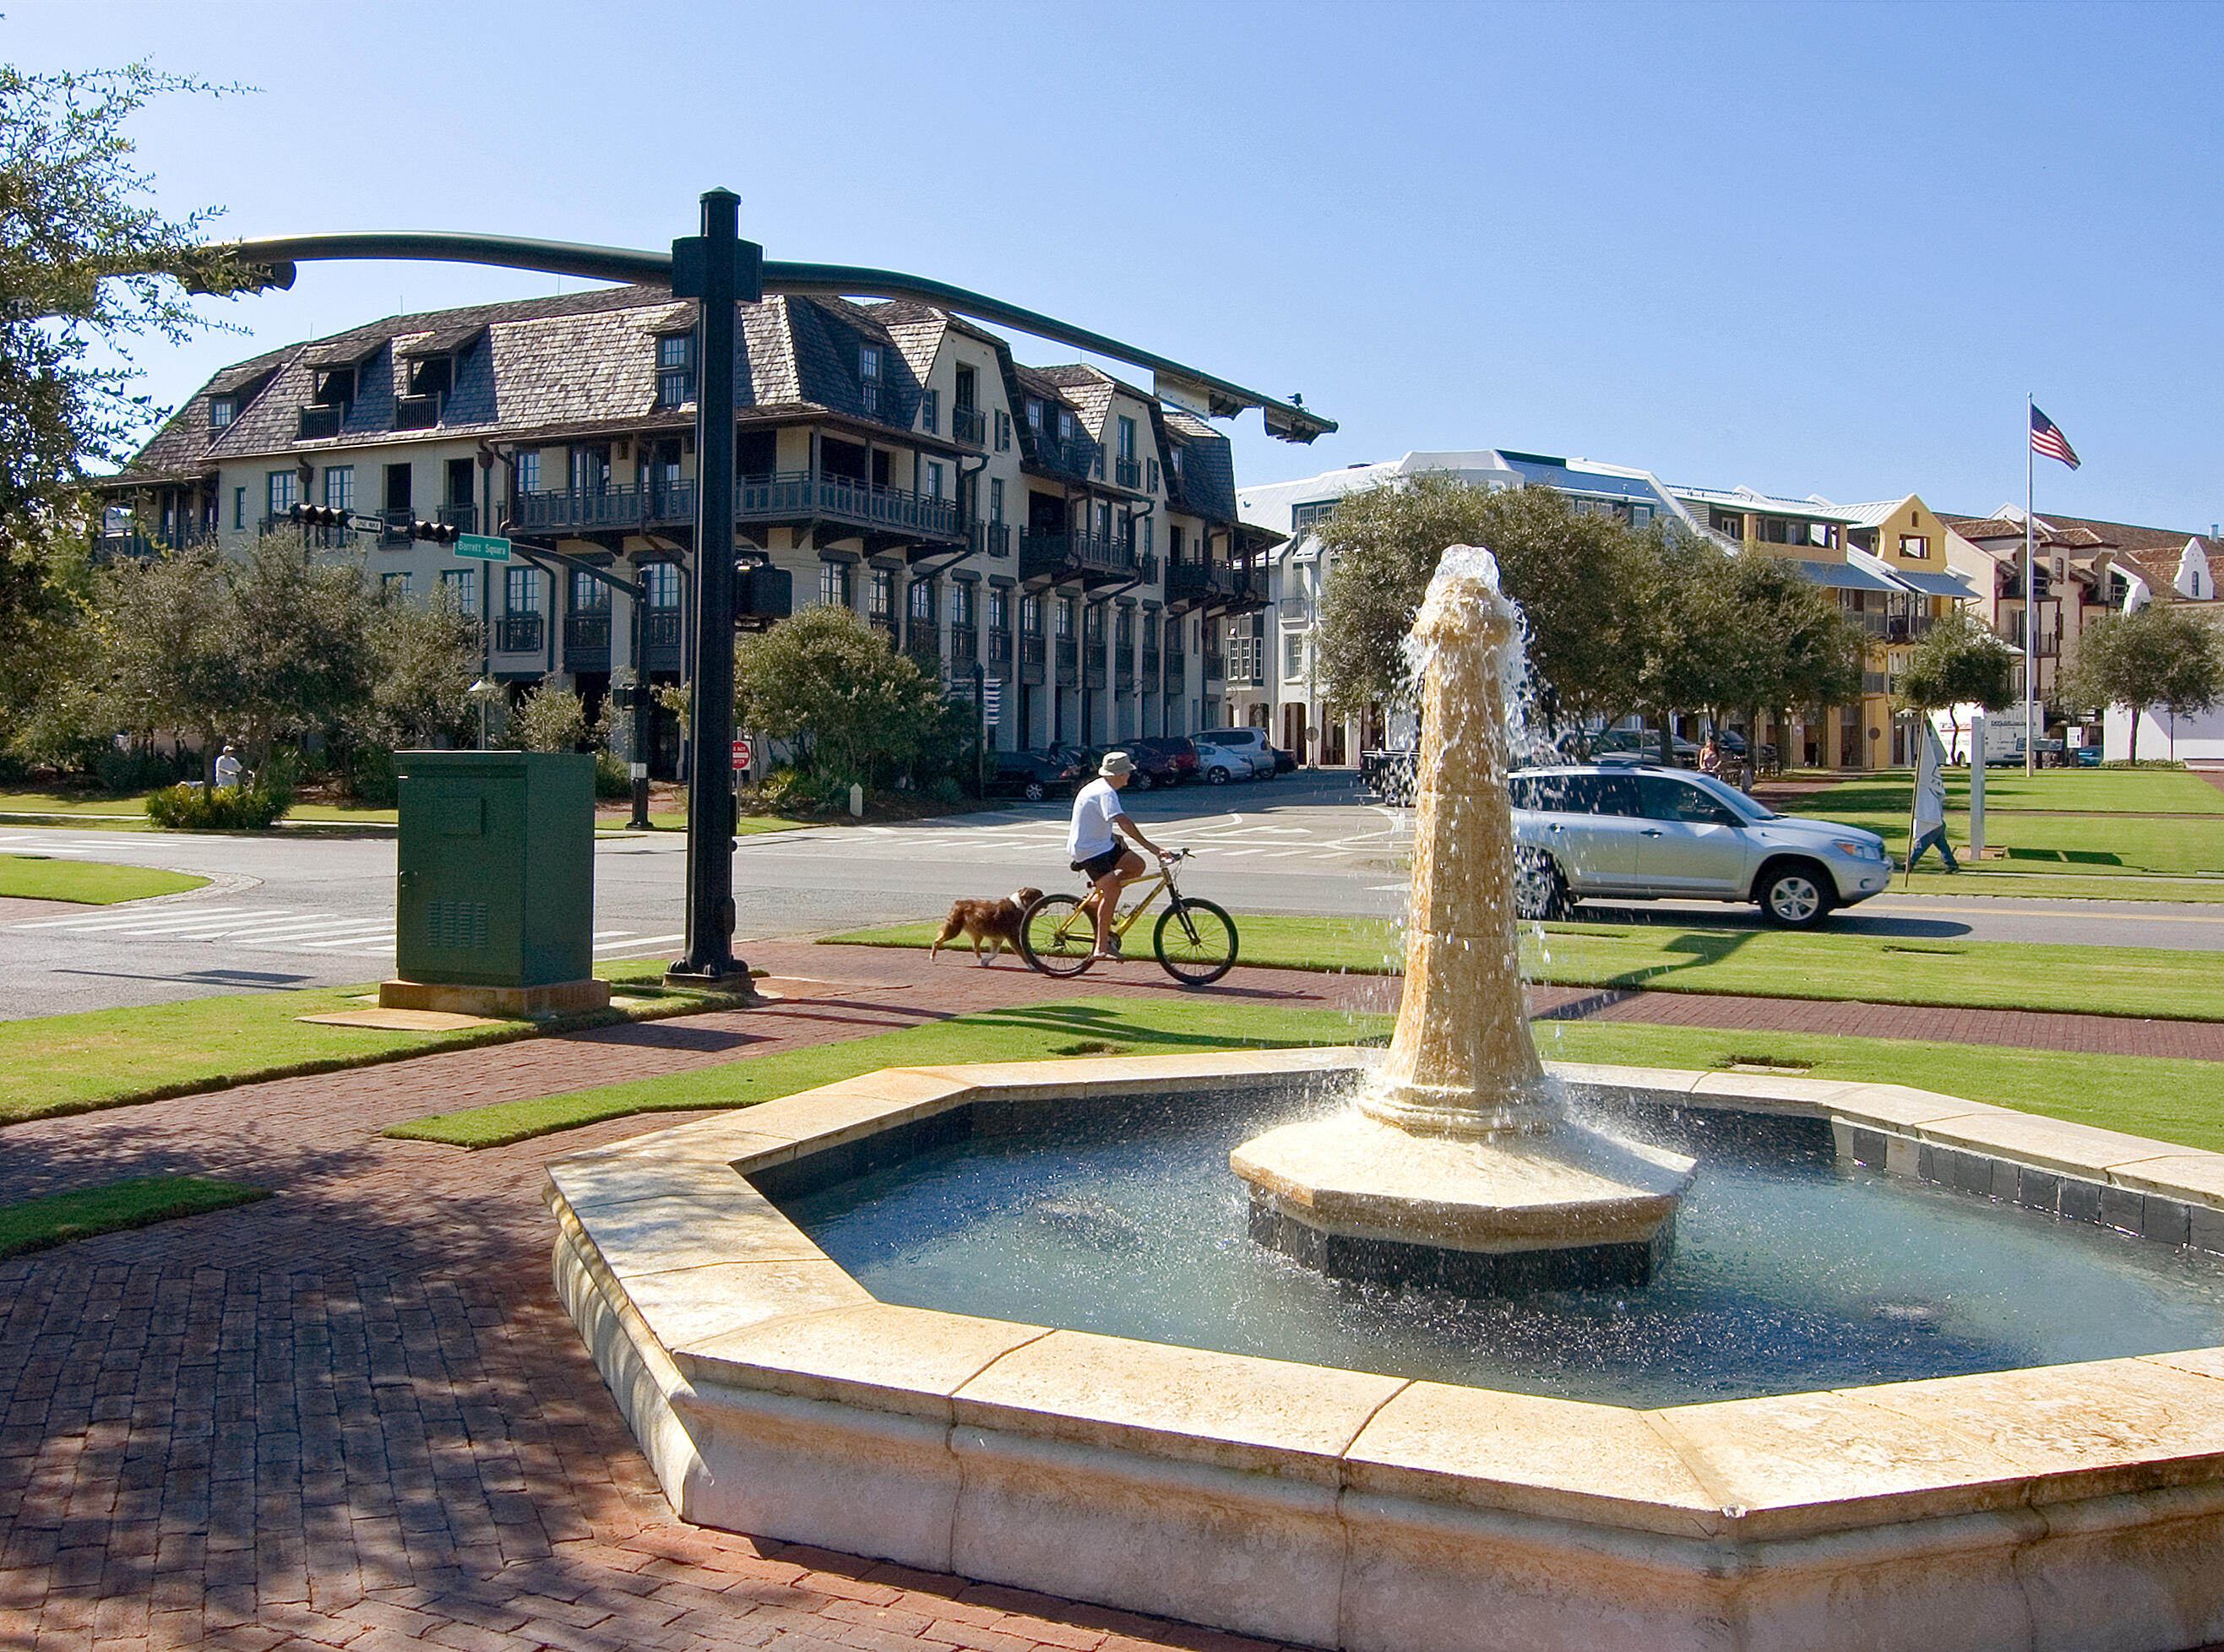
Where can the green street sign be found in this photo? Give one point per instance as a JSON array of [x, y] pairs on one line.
[[485, 547]]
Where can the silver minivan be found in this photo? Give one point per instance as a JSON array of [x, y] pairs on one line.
[[1602, 833]]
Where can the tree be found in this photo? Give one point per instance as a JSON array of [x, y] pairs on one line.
[[298, 634], [553, 720], [2162, 655], [1960, 661], [425, 656], [1767, 638], [165, 658], [825, 681], [1571, 573]]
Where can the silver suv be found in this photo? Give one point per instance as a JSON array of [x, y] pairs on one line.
[[1251, 757], [1598, 833]]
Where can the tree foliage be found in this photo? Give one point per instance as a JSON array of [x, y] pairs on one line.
[[1959, 662], [554, 719], [427, 656], [2162, 655], [824, 681]]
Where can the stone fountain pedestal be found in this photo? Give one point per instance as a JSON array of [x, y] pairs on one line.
[[1458, 1171]]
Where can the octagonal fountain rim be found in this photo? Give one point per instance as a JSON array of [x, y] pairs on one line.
[[774, 1395]]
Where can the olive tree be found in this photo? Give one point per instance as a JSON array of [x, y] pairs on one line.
[[2161, 655], [826, 682]]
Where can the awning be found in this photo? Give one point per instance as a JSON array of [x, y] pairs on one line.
[[1841, 575], [1935, 584]]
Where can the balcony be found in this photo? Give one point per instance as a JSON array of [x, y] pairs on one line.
[[1062, 557], [321, 423], [965, 645], [416, 413], [1150, 568], [662, 630], [791, 497], [999, 648], [112, 545], [1196, 582], [1128, 473], [1092, 665], [465, 519], [1030, 658], [587, 641], [1076, 456], [1150, 669], [393, 528], [1215, 667], [1175, 671], [924, 649], [884, 626], [998, 537], [1067, 657], [968, 425], [517, 634], [1123, 672], [578, 510]]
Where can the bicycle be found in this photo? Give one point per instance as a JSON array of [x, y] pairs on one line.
[[1194, 941]]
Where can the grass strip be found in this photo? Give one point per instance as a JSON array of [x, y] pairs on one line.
[[2145, 981], [41, 1224], [91, 883], [2143, 1095], [105, 1058], [1087, 1026]]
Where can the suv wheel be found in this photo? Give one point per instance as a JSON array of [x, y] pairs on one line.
[[1795, 894], [1541, 893], [1036, 792]]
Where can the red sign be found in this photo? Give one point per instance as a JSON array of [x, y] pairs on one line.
[[740, 754]]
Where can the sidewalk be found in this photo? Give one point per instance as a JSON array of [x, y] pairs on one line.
[[354, 1415]]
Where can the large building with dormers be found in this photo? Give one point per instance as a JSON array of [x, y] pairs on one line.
[[1073, 536]]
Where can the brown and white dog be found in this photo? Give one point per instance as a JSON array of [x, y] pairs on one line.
[[996, 922]]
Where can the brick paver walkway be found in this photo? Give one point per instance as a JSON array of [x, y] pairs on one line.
[[354, 1415]]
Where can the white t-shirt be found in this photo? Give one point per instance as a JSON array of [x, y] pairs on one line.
[[1094, 807]]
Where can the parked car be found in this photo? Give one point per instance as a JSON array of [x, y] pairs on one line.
[[1162, 760], [1389, 774], [1643, 744], [1284, 763], [1598, 832], [1249, 756], [1035, 775]]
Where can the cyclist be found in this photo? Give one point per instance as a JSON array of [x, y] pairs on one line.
[[1093, 843]]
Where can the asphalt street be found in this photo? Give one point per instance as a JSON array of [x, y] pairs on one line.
[[303, 910]]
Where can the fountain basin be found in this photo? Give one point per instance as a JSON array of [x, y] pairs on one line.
[[2072, 1505]]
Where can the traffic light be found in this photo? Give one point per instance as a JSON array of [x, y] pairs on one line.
[[436, 532], [320, 516]]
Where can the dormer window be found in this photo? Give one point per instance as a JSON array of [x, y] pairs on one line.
[[434, 375], [675, 369], [1065, 425], [335, 387], [1034, 415], [869, 375], [222, 411]]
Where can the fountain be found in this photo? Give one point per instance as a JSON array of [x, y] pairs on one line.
[[1458, 1169], [2066, 1502]]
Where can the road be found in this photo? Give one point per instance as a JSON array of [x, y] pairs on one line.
[[298, 910]]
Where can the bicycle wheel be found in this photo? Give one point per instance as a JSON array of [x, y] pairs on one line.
[[1195, 941], [1056, 936]]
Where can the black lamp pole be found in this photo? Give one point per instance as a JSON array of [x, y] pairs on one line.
[[709, 269]]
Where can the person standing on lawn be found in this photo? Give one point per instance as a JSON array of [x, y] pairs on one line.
[[1093, 843], [227, 770], [1929, 823]]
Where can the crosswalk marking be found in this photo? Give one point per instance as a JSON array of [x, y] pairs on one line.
[[285, 932]]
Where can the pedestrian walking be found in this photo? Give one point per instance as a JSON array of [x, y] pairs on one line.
[[1928, 826]]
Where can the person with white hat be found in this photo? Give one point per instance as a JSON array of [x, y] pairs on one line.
[[1093, 843]]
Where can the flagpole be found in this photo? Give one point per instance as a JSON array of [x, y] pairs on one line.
[[2030, 603]]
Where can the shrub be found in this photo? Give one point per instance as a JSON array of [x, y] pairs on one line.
[[371, 777], [613, 779], [946, 790], [196, 809]]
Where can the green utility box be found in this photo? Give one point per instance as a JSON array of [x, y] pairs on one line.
[[496, 885]]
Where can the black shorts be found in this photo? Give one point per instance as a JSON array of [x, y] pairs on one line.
[[1097, 864]]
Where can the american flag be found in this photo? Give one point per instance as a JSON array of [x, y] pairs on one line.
[[2046, 437]]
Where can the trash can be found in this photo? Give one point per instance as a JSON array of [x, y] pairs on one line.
[[495, 887]]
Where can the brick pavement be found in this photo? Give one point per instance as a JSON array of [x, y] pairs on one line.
[[354, 1415]]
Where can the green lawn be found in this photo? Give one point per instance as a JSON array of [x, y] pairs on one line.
[[34, 876], [105, 1058], [2169, 791], [1767, 963], [40, 1223], [1088, 1026], [2169, 1100]]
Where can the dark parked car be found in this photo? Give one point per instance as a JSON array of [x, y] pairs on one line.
[[1035, 775], [1163, 759], [1284, 763]]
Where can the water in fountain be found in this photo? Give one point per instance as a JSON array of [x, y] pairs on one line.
[[1458, 1167]]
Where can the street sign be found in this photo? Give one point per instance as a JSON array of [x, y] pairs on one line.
[[740, 754], [484, 546]]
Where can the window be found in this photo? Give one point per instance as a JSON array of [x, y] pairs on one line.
[[961, 603], [1151, 484], [967, 379], [922, 601], [1031, 614], [278, 491], [521, 590], [834, 584], [1174, 462], [934, 478], [996, 499], [1123, 634], [659, 582], [396, 584], [1639, 515], [1173, 634], [1294, 655], [528, 472], [461, 583], [883, 604], [1003, 431], [675, 369], [1065, 425], [339, 487], [869, 361], [999, 609], [1916, 545], [397, 487], [1303, 517], [1103, 518], [222, 411], [459, 483], [1034, 415], [1174, 542], [591, 468], [239, 507], [1062, 616], [1127, 440], [335, 387], [434, 376], [1150, 534], [930, 411], [588, 594]]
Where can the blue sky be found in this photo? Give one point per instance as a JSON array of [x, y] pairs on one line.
[[1810, 248]]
